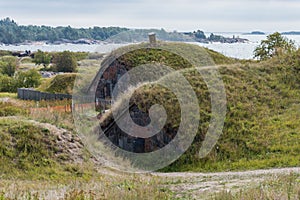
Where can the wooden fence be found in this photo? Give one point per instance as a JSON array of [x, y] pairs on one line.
[[82, 103]]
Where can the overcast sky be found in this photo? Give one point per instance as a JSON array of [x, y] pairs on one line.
[[181, 15]]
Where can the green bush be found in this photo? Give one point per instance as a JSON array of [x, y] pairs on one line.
[[8, 65], [41, 57], [28, 79], [65, 62], [7, 84]]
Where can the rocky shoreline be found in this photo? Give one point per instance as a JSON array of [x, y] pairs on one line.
[[93, 42]]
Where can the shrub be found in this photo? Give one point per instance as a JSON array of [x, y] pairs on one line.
[[8, 65], [7, 84], [28, 79], [41, 57], [65, 62]]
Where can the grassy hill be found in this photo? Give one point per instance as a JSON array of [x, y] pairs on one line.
[[262, 125], [262, 122], [262, 130], [61, 83], [37, 150], [41, 157]]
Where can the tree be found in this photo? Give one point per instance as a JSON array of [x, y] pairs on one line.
[[200, 34], [274, 45], [65, 62], [8, 65], [28, 79], [41, 57]]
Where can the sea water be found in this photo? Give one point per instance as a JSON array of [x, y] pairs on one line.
[[235, 50]]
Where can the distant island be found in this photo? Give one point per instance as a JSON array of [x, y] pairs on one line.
[[283, 33], [255, 33], [14, 34], [199, 36], [291, 33]]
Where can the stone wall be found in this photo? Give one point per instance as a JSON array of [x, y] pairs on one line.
[[105, 86], [135, 144]]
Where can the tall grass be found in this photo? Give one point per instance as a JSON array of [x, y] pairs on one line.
[[118, 186]]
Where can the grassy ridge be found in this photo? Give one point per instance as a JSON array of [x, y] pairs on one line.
[[262, 122]]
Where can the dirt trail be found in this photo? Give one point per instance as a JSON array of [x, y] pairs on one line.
[[204, 185]]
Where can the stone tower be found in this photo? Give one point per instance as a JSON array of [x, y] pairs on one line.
[[152, 38]]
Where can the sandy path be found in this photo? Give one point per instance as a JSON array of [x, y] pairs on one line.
[[204, 185]]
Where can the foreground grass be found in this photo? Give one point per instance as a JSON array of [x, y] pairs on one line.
[[30, 168], [117, 186], [282, 187]]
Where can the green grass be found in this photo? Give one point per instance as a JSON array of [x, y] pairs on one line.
[[118, 186], [8, 109], [39, 111], [220, 58], [26, 60], [261, 128], [261, 131], [61, 83], [27, 151], [7, 94], [262, 122]]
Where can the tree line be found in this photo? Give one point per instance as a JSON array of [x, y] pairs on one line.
[[12, 33]]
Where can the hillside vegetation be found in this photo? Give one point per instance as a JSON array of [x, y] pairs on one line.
[[42, 158], [41, 153], [61, 83], [11, 32], [262, 126]]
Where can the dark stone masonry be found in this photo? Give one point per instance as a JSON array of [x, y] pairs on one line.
[[113, 71]]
